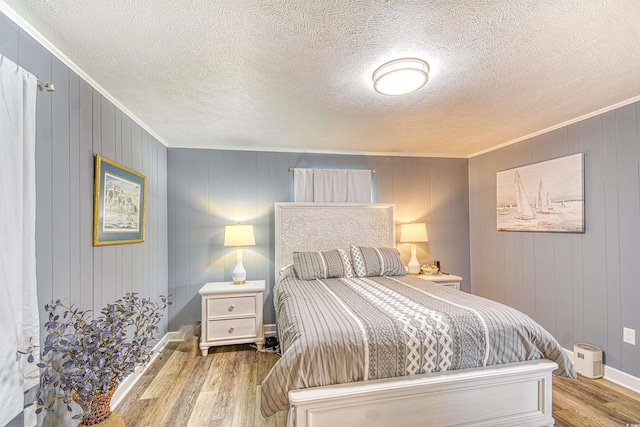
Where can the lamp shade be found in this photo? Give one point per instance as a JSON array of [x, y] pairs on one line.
[[239, 235], [414, 232]]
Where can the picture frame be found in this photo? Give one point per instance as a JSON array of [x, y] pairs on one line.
[[546, 196], [119, 203]]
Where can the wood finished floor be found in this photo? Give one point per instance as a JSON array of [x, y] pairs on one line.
[[223, 389]]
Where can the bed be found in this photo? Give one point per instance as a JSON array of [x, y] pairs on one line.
[[394, 350]]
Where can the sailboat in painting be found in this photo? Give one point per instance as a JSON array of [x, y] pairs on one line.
[[522, 204], [543, 202]]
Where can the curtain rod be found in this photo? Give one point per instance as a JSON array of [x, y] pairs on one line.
[[48, 86], [372, 170]]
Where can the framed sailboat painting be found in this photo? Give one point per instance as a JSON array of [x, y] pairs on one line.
[[546, 196]]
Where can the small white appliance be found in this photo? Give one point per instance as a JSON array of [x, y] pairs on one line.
[[588, 360]]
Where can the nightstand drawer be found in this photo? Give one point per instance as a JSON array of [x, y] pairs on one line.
[[231, 307], [231, 328], [448, 280], [454, 285]]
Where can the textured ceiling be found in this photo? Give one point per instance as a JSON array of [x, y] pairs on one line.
[[296, 74]]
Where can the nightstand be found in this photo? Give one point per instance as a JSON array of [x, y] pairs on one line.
[[448, 280], [231, 314]]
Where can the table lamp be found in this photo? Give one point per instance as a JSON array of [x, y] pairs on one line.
[[239, 235], [412, 233]]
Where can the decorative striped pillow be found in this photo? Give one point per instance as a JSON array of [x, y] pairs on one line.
[[376, 261], [322, 265]]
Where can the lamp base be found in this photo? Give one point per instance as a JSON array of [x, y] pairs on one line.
[[414, 266], [239, 274]]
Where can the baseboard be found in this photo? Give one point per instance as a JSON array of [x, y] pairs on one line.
[[622, 378], [175, 336], [616, 376], [270, 330], [127, 384]]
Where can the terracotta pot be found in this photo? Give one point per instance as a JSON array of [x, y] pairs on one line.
[[99, 413]]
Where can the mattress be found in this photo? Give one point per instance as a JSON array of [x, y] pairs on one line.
[[342, 330]]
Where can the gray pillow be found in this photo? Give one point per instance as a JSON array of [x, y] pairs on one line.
[[322, 265], [376, 261]]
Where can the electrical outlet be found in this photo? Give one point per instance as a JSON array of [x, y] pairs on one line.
[[629, 336]]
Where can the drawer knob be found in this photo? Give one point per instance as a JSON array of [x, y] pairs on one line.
[[231, 330], [231, 307]]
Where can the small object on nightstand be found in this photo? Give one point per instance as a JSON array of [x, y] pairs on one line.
[[429, 269]]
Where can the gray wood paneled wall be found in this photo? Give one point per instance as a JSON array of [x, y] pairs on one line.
[[580, 287], [72, 125], [209, 189]]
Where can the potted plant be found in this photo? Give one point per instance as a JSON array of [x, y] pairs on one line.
[[84, 359]]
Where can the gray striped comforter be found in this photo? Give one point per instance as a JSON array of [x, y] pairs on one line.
[[336, 331]]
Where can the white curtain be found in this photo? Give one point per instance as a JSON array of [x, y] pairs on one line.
[[18, 299], [332, 185], [302, 185]]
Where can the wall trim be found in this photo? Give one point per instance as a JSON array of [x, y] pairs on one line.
[[294, 150], [616, 376], [559, 125], [622, 378], [270, 330], [177, 336], [29, 29]]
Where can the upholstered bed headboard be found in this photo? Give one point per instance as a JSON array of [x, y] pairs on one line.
[[324, 226]]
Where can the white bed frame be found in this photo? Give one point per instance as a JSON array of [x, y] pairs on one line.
[[515, 394]]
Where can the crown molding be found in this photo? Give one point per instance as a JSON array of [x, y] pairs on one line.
[[295, 150], [29, 29], [560, 125]]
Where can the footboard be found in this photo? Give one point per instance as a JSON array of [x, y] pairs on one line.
[[516, 394]]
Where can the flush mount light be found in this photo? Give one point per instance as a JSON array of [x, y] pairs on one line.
[[401, 76]]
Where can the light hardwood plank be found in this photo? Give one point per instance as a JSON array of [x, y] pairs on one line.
[[226, 401], [595, 401], [214, 374], [187, 399], [204, 409], [244, 391], [172, 371], [167, 392], [131, 404], [618, 389]]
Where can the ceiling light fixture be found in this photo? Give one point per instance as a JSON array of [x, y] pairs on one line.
[[401, 76]]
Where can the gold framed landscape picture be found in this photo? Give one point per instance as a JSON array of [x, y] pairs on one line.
[[119, 204]]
